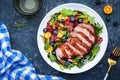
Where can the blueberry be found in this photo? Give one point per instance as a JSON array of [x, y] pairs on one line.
[[54, 52], [97, 2], [64, 40], [72, 18], [62, 21], [115, 24], [52, 43], [66, 63], [80, 20], [108, 19], [55, 32], [45, 30]]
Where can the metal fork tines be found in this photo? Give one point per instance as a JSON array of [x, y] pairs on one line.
[[112, 60]]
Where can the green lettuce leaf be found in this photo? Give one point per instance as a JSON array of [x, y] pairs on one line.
[[67, 12]]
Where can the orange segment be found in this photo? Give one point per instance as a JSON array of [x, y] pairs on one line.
[[60, 34], [47, 35], [108, 9], [50, 49]]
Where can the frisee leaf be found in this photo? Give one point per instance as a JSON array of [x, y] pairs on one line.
[[98, 29]]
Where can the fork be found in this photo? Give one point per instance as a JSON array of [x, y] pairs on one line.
[[112, 60]]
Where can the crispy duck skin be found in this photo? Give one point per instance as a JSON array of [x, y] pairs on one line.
[[79, 43]]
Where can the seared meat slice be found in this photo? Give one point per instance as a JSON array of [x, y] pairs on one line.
[[81, 37], [76, 51], [59, 55], [64, 52], [88, 26], [86, 32], [79, 43]]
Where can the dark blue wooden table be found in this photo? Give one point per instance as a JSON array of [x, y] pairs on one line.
[[25, 38]]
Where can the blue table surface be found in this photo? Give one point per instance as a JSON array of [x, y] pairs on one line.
[[25, 38]]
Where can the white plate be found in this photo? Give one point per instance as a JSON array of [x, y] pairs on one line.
[[103, 45]]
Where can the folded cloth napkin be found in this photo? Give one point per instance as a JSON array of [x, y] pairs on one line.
[[13, 64]]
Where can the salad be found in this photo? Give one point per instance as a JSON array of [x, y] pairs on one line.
[[58, 30]]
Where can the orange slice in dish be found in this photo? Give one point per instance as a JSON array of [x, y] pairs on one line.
[[108, 9]]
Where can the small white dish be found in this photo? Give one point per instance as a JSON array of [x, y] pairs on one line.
[[103, 45]]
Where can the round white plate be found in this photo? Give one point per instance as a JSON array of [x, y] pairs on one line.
[[103, 45]]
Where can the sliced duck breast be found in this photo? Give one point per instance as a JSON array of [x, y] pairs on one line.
[[88, 26], [75, 34], [86, 32], [75, 50]]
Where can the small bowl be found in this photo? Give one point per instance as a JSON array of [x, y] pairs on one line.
[[24, 6]]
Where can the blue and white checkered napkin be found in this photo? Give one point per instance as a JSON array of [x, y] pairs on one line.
[[13, 64]]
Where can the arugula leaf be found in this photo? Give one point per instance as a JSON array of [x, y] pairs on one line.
[[52, 22], [76, 60], [94, 51], [66, 34], [67, 12], [43, 37], [66, 67], [98, 29], [62, 67], [70, 66], [54, 19], [47, 44], [63, 26], [52, 57], [85, 59], [56, 44], [19, 25], [80, 65]]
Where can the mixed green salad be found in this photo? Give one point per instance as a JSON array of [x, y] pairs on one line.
[[58, 30]]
